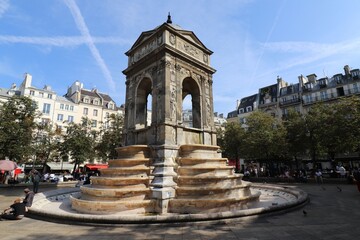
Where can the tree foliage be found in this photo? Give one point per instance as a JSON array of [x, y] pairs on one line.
[[325, 130], [265, 137], [111, 137], [16, 128], [79, 142], [46, 142]]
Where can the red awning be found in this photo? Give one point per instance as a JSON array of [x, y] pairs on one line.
[[93, 167], [17, 171]]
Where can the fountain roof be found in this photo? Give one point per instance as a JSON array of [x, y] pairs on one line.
[[174, 28]]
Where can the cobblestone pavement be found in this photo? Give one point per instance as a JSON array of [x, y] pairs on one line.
[[332, 213]]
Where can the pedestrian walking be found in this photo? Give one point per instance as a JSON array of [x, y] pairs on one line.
[[36, 181], [318, 176], [356, 175]]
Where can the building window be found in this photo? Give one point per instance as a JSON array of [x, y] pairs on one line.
[[241, 110], [46, 108], [95, 113], [70, 119], [85, 111], [32, 92], [307, 98], [45, 121], [71, 108], [248, 109], [355, 87], [107, 115], [96, 102], [93, 123], [111, 106], [86, 100], [50, 96], [66, 107], [323, 95], [60, 117], [61, 106]]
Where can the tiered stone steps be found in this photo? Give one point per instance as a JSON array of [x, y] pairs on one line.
[[205, 183], [121, 188]]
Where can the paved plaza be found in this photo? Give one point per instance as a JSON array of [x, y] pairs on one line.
[[332, 213]]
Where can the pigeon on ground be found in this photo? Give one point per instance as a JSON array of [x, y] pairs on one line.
[[304, 212]]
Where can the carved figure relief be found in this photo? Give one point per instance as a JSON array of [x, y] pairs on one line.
[[189, 49], [173, 105], [145, 50], [172, 39], [206, 59], [208, 111]]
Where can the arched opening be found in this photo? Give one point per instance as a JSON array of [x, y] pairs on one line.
[[191, 93], [143, 102]]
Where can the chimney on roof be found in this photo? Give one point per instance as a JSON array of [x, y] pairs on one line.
[[347, 70], [281, 82], [312, 78]]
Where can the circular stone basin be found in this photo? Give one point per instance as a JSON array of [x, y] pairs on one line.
[[55, 206]]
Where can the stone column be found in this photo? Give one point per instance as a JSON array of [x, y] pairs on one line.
[[163, 185]]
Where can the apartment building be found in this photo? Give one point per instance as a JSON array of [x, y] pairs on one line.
[[60, 110], [277, 99]]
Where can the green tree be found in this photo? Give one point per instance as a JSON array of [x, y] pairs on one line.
[[16, 128], [111, 137], [79, 142], [315, 125], [348, 117], [265, 139], [45, 143], [296, 135], [232, 142]]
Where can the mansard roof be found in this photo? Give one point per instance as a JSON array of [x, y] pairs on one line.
[[248, 101]]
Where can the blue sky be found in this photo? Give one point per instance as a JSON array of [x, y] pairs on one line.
[[254, 41]]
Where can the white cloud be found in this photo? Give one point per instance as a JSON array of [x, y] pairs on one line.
[[4, 6], [310, 52], [81, 25], [62, 41]]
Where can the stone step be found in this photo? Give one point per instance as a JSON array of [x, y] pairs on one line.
[[126, 171], [185, 206], [134, 151], [199, 151], [128, 162], [112, 192], [208, 181], [120, 181], [200, 161], [205, 171], [112, 207], [210, 192]]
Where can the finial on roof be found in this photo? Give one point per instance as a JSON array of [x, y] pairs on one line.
[[169, 19]]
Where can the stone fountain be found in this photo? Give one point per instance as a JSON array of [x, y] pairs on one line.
[[168, 170], [166, 166]]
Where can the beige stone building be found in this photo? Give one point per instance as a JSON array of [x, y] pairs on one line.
[[72, 107]]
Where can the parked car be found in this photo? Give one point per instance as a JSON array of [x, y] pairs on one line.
[[68, 177]]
